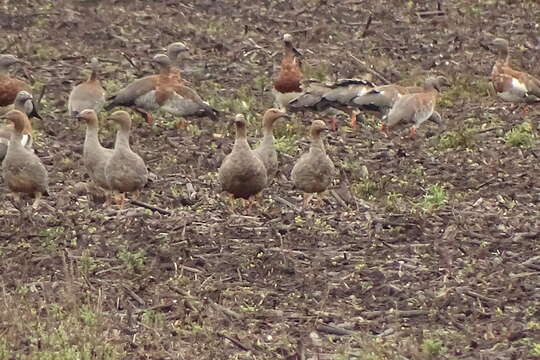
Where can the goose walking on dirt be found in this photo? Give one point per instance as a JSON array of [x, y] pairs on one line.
[[266, 151], [125, 171], [22, 170], [95, 156], [242, 173], [314, 170], [415, 108], [165, 92]]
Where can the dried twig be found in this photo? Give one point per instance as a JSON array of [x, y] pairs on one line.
[[488, 182], [225, 310], [334, 330], [430, 13], [234, 341], [366, 28], [134, 296], [130, 61], [151, 207], [397, 313], [338, 198], [40, 96], [286, 202], [480, 296], [368, 69]]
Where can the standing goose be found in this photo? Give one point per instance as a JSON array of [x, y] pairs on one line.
[[242, 172], [95, 156], [415, 108], [136, 94], [314, 171], [89, 94], [9, 86], [165, 92], [512, 85], [24, 103], [22, 170], [125, 171], [287, 84], [266, 151]]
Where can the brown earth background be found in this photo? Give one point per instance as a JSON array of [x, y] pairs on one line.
[[424, 249]]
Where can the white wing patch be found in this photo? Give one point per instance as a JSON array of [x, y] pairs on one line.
[[518, 85]]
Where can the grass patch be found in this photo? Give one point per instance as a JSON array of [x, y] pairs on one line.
[[463, 138], [368, 189], [434, 198], [38, 330], [520, 136], [133, 260]]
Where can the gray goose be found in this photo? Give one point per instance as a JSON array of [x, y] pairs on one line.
[[125, 170], [266, 151], [242, 172], [95, 156], [22, 170], [314, 170]]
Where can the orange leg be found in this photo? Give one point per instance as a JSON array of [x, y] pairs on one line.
[[146, 115], [119, 199], [384, 129], [412, 132], [354, 121], [307, 199]]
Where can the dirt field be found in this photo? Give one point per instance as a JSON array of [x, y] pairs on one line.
[[425, 248]]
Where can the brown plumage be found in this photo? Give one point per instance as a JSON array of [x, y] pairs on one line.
[[125, 171], [22, 170], [415, 108], [9, 86], [23, 102], [242, 172], [512, 85], [314, 170], [95, 156], [164, 91], [287, 84], [89, 94], [266, 151]]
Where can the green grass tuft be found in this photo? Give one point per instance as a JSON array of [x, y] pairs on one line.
[[434, 198], [520, 136]]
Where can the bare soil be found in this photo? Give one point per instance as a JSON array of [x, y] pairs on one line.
[[373, 271]]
